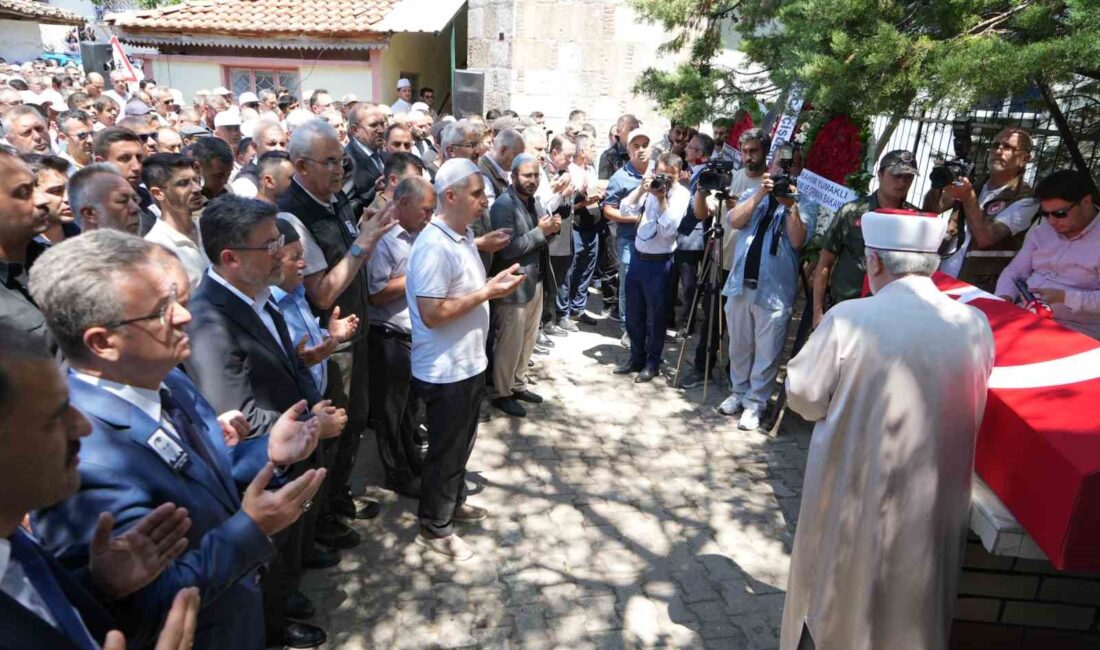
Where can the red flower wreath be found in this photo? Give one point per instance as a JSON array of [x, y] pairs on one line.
[[837, 149], [743, 123]]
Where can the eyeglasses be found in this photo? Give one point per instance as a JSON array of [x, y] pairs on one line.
[[468, 145], [328, 163], [1058, 214], [1003, 145], [145, 137], [272, 247], [82, 135], [163, 315]]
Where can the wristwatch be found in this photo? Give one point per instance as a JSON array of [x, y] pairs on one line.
[[356, 250]]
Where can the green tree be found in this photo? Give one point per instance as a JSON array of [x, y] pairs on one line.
[[871, 57]]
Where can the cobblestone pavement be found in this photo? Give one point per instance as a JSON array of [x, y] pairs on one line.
[[623, 516]]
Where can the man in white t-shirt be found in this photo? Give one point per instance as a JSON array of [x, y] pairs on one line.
[[447, 294]]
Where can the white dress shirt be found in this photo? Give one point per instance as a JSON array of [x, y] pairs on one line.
[[656, 234], [189, 251]]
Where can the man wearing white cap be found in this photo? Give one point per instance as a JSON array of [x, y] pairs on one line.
[[249, 100], [404, 97], [448, 296], [227, 126], [897, 383]]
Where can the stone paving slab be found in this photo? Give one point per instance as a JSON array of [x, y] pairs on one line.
[[623, 516]]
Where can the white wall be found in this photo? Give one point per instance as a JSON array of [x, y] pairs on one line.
[[189, 74], [20, 40]]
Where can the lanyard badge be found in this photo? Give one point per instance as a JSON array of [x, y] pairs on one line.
[[169, 450]]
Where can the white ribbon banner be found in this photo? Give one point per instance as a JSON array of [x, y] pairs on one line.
[[788, 120], [823, 191]]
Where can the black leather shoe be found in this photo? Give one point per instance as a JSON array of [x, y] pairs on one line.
[[626, 369], [298, 635], [510, 406], [527, 396], [406, 488], [331, 532], [585, 319], [298, 606], [367, 509], [322, 558], [342, 504], [646, 375]]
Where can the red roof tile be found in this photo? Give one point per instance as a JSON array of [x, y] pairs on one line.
[[37, 11], [327, 19]]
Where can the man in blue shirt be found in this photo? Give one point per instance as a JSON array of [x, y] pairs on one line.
[[761, 292], [625, 181]]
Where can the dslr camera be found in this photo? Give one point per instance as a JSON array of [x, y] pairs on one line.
[[661, 183], [717, 175], [950, 171], [784, 181]]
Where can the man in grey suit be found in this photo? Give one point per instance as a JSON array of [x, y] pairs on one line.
[[518, 313]]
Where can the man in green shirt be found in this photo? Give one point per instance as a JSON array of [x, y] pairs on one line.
[[843, 246]]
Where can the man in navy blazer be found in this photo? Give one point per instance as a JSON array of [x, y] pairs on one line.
[[42, 604], [116, 305]]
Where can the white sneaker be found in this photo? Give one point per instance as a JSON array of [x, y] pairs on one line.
[[750, 420], [731, 405], [625, 341], [451, 546]]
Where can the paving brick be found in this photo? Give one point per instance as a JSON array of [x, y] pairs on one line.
[[973, 583], [1066, 590], [977, 609]]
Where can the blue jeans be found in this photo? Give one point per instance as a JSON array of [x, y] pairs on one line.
[[647, 284], [586, 246], [625, 247]]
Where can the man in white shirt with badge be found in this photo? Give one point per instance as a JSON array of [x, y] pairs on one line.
[[447, 294], [661, 202]]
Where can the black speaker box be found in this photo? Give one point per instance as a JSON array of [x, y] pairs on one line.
[[96, 57], [469, 93]]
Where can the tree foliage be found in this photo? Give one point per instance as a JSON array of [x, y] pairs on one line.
[[871, 57]]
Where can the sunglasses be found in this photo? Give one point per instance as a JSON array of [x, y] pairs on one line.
[[1058, 214]]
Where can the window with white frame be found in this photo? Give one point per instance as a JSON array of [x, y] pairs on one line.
[[256, 79]]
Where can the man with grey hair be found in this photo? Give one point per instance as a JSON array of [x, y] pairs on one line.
[[326, 222], [462, 139], [367, 131], [393, 405], [496, 164], [268, 136], [101, 198], [447, 294], [116, 305], [870, 567], [26, 130]]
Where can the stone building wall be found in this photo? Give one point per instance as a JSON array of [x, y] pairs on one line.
[[555, 56]]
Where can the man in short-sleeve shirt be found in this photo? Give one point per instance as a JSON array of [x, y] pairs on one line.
[[447, 292]]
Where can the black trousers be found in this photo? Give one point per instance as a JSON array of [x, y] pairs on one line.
[[324, 456], [607, 267], [562, 268], [452, 429], [687, 262], [354, 374], [393, 404]]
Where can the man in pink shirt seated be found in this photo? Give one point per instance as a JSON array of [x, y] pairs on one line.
[[1060, 258]]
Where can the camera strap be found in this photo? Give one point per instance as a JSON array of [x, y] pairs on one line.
[[756, 248]]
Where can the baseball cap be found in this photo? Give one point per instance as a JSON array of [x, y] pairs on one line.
[[221, 90], [248, 98], [227, 118], [899, 162], [638, 133], [137, 108], [349, 98]]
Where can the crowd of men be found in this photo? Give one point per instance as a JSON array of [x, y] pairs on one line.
[[212, 302]]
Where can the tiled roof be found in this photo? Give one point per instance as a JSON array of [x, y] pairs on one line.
[[37, 11], [313, 19]]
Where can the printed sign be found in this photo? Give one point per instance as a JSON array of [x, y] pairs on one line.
[[824, 191], [122, 62], [784, 130]]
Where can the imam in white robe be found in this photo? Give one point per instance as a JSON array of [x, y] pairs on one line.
[[897, 384]]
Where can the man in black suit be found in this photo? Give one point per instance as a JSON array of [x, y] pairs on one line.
[[367, 135], [244, 359], [41, 603]]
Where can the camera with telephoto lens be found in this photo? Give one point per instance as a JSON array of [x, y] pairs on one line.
[[949, 172], [784, 181], [660, 183], [717, 175]]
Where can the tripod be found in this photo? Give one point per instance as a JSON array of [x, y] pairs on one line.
[[712, 255]]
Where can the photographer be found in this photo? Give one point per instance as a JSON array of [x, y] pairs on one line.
[[761, 292], [625, 182], [996, 217], [660, 203], [692, 238], [843, 245]]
